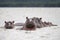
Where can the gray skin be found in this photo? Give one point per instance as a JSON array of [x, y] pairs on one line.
[[38, 22], [9, 25]]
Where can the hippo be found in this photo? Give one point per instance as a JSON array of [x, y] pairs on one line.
[[9, 25], [38, 22], [29, 25]]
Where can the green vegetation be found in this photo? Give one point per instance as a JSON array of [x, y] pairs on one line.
[[29, 4]]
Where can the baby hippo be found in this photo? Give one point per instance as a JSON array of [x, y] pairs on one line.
[[9, 25]]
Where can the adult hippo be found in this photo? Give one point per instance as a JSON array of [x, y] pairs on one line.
[[29, 25]]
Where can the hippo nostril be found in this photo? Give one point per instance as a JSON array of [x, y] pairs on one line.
[[30, 25]]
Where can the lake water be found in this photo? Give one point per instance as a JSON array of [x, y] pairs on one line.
[[19, 14]]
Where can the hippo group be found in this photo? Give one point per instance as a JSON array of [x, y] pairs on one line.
[[30, 24]]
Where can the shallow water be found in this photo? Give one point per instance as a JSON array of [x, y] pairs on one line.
[[47, 33]]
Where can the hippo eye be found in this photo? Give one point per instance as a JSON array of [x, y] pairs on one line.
[[10, 23], [32, 19], [7, 23]]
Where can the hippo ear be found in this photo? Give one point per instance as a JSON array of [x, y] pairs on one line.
[[26, 17], [5, 22], [13, 21], [40, 18]]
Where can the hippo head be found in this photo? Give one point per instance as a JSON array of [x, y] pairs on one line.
[[29, 23], [9, 24]]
